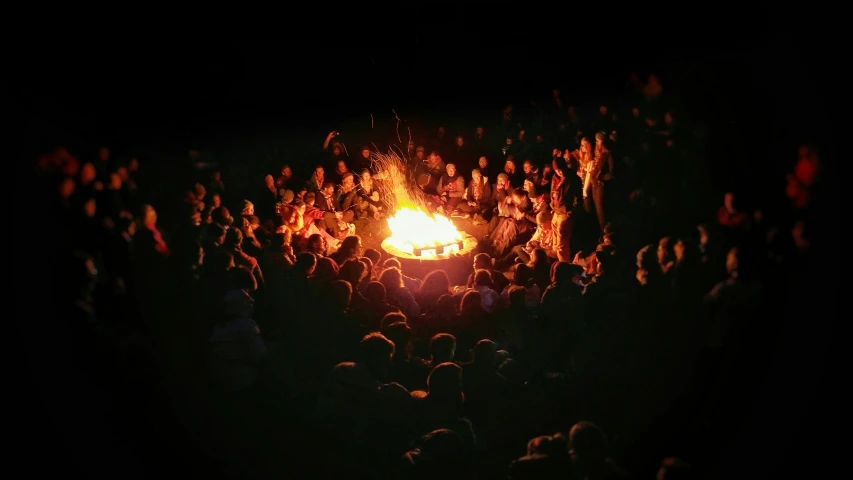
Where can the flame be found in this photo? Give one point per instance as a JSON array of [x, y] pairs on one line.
[[414, 229], [411, 226]]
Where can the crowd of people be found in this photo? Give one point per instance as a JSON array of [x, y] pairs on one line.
[[598, 322]]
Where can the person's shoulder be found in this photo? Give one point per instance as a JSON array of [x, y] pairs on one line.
[[395, 390]]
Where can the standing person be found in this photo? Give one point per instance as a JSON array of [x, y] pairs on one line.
[[600, 173], [565, 192]]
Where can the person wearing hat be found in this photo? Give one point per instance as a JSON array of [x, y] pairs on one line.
[[451, 188], [287, 197]]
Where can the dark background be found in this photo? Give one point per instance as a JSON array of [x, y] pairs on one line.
[[751, 78], [755, 82]]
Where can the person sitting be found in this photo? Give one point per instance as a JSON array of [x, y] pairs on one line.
[[476, 202], [514, 227], [336, 220], [449, 191], [368, 202], [541, 239]]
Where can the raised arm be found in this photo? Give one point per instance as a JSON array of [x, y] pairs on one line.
[[328, 140]]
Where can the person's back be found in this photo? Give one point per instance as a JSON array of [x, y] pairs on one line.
[[236, 345], [535, 467]]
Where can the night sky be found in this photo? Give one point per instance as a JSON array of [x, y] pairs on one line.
[[212, 81]]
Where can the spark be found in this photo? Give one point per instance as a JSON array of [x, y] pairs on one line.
[[397, 191], [371, 121], [398, 125], [345, 148]]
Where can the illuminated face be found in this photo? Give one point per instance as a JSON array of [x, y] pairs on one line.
[[434, 159], [703, 236], [731, 260], [585, 145], [320, 172], [476, 176], [460, 141], [336, 150], [729, 201], [250, 210], [286, 172], [342, 166], [678, 249], [115, 181], [88, 173], [216, 200], [527, 167], [479, 131], [602, 109], [451, 170], [663, 253], [528, 186], [483, 162], [501, 183], [365, 176], [269, 181], [329, 190], [90, 207], [509, 166], [365, 153], [150, 217], [348, 182], [420, 152]]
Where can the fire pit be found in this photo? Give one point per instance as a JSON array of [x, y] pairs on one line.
[[424, 243], [421, 241], [454, 259]]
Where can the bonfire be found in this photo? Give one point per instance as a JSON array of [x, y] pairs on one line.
[[413, 230]]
